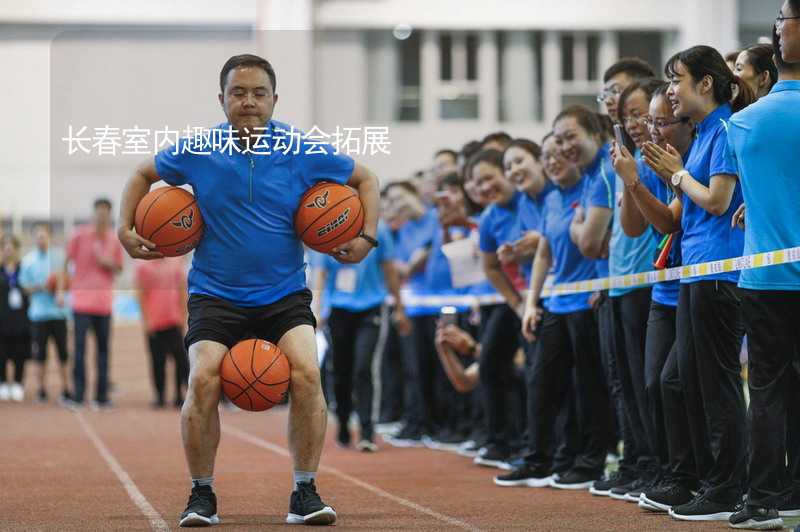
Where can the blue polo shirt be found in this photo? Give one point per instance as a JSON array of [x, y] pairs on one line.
[[627, 255], [249, 254], [763, 141], [35, 269], [500, 224], [359, 287], [530, 219], [568, 263], [412, 236], [665, 293], [599, 192], [707, 237]]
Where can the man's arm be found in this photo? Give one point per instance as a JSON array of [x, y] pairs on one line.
[[136, 188], [366, 183]]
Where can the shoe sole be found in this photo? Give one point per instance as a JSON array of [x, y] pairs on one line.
[[326, 516], [196, 520], [659, 507], [772, 524], [526, 483], [599, 493], [575, 487], [789, 513], [618, 496], [719, 516], [632, 498], [644, 505], [403, 444], [466, 453], [492, 463]]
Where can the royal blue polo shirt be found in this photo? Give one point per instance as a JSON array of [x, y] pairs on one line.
[[249, 254], [500, 224], [598, 191], [763, 142], [568, 263], [361, 286], [707, 237], [530, 219], [665, 293], [627, 255], [412, 236]]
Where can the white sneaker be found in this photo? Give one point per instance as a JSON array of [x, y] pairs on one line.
[[4, 392], [16, 392]]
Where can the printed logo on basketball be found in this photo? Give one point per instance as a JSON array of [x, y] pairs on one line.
[[340, 220], [320, 202], [186, 220]]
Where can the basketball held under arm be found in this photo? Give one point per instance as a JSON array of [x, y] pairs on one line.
[[137, 186], [366, 183]]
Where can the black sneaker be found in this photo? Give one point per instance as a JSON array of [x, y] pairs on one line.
[[619, 492], [407, 437], [603, 487], [201, 510], [306, 508], [701, 508], [790, 507], [343, 437], [573, 480], [495, 456], [662, 498], [525, 475], [756, 518], [635, 490]]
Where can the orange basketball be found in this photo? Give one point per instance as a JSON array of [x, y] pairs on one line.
[[169, 218], [255, 375], [328, 215]]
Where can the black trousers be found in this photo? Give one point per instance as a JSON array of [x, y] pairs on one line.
[[499, 343], [567, 347], [101, 325], [164, 343], [604, 314], [392, 377], [709, 336], [659, 346], [354, 336], [42, 332], [15, 348], [630, 312], [771, 321]]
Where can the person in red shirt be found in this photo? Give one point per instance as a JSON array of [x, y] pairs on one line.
[[95, 256], [161, 286]]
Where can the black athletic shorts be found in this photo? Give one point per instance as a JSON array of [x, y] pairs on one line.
[[218, 320]]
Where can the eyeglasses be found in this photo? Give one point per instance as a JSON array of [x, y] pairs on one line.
[[641, 120], [780, 18], [661, 124], [607, 93]]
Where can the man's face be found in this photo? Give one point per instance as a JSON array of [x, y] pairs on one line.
[[102, 215], [789, 34], [42, 238], [248, 100], [611, 91]]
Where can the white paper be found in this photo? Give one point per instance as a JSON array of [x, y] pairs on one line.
[[465, 262], [14, 299]]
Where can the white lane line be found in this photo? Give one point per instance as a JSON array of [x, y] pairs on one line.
[[277, 449], [156, 522]]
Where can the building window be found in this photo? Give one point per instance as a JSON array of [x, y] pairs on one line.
[[644, 44], [409, 107], [458, 74]]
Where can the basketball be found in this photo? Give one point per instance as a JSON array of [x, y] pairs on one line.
[[169, 218], [255, 375], [328, 215]]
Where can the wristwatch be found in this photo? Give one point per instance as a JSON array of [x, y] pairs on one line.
[[677, 177], [372, 241]]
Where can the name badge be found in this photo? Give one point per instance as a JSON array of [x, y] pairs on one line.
[[14, 299], [346, 280]]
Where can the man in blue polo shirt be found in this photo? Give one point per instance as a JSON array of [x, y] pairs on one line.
[[763, 141], [247, 276]]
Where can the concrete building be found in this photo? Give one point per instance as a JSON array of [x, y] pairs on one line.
[[437, 73]]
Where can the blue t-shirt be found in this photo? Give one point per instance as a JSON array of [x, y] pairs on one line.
[[763, 141], [500, 224], [35, 269], [361, 286], [707, 237], [412, 236], [665, 293], [627, 255], [568, 263], [530, 219], [599, 192], [250, 254]]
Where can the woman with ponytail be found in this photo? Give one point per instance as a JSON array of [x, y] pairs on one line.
[[709, 321]]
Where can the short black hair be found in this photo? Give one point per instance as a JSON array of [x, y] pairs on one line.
[[246, 60], [470, 148], [585, 117], [104, 202], [447, 151], [498, 136], [491, 156], [404, 184], [632, 66]]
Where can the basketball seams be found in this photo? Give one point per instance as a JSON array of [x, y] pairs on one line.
[[326, 211], [250, 384], [147, 211], [194, 202]]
